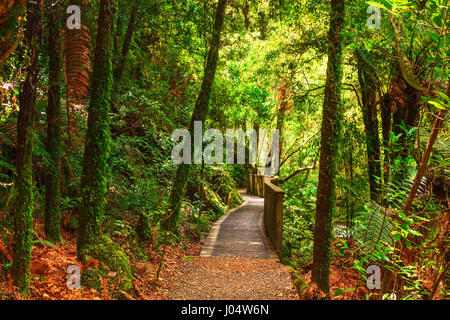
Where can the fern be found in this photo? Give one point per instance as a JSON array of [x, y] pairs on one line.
[[374, 226], [76, 56]]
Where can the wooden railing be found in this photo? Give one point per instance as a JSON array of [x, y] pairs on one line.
[[263, 186], [256, 185]]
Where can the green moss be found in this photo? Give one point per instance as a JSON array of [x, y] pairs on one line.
[[234, 199], [225, 187], [213, 201], [114, 266], [97, 149]]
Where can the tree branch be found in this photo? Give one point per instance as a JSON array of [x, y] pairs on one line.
[[313, 167], [296, 150]]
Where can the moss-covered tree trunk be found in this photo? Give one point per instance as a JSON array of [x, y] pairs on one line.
[[97, 147], [200, 113], [326, 197], [23, 218], [368, 95], [52, 212]]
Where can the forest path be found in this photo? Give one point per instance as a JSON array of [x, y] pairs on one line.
[[240, 233], [237, 262]]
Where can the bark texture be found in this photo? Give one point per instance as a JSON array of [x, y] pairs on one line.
[[368, 93], [97, 148], [23, 218], [326, 197]]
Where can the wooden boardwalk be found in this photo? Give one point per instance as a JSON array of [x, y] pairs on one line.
[[239, 233]]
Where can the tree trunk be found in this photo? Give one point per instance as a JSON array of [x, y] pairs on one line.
[[283, 104], [200, 113], [326, 196], [23, 218], [438, 123], [407, 113], [52, 212], [97, 147], [118, 32], [386, 115], [118, 73], [368, 93]]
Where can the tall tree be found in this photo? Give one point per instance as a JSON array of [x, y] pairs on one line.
[[118, 72], [23, 218], [368, 101], [326, 197], [97, 147], [200, 113], [52, 212]]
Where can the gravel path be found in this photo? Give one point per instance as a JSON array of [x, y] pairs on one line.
[[237, 262], [226, 278]]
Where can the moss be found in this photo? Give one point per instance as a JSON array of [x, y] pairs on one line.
[[23, 218], [331, 127], [213, 201], [223, 184], [113, 261], [234, 199], [97, 147]]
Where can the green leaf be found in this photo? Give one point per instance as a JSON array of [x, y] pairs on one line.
[[437, 19], [47, 243], [373, 3], [338, 292], [414, 232], [444, 96], [437, 104]]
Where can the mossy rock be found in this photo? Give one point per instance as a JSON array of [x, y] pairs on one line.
[[213, 201], [234, 199], [225, 187], [114, 266]]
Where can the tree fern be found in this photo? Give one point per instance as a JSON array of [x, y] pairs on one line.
[[76, 56]]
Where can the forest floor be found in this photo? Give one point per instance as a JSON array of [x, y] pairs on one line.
[[49, 277], [185, 275]]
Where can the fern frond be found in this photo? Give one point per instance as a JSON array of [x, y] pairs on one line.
[[375, 226], [76, 56]]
